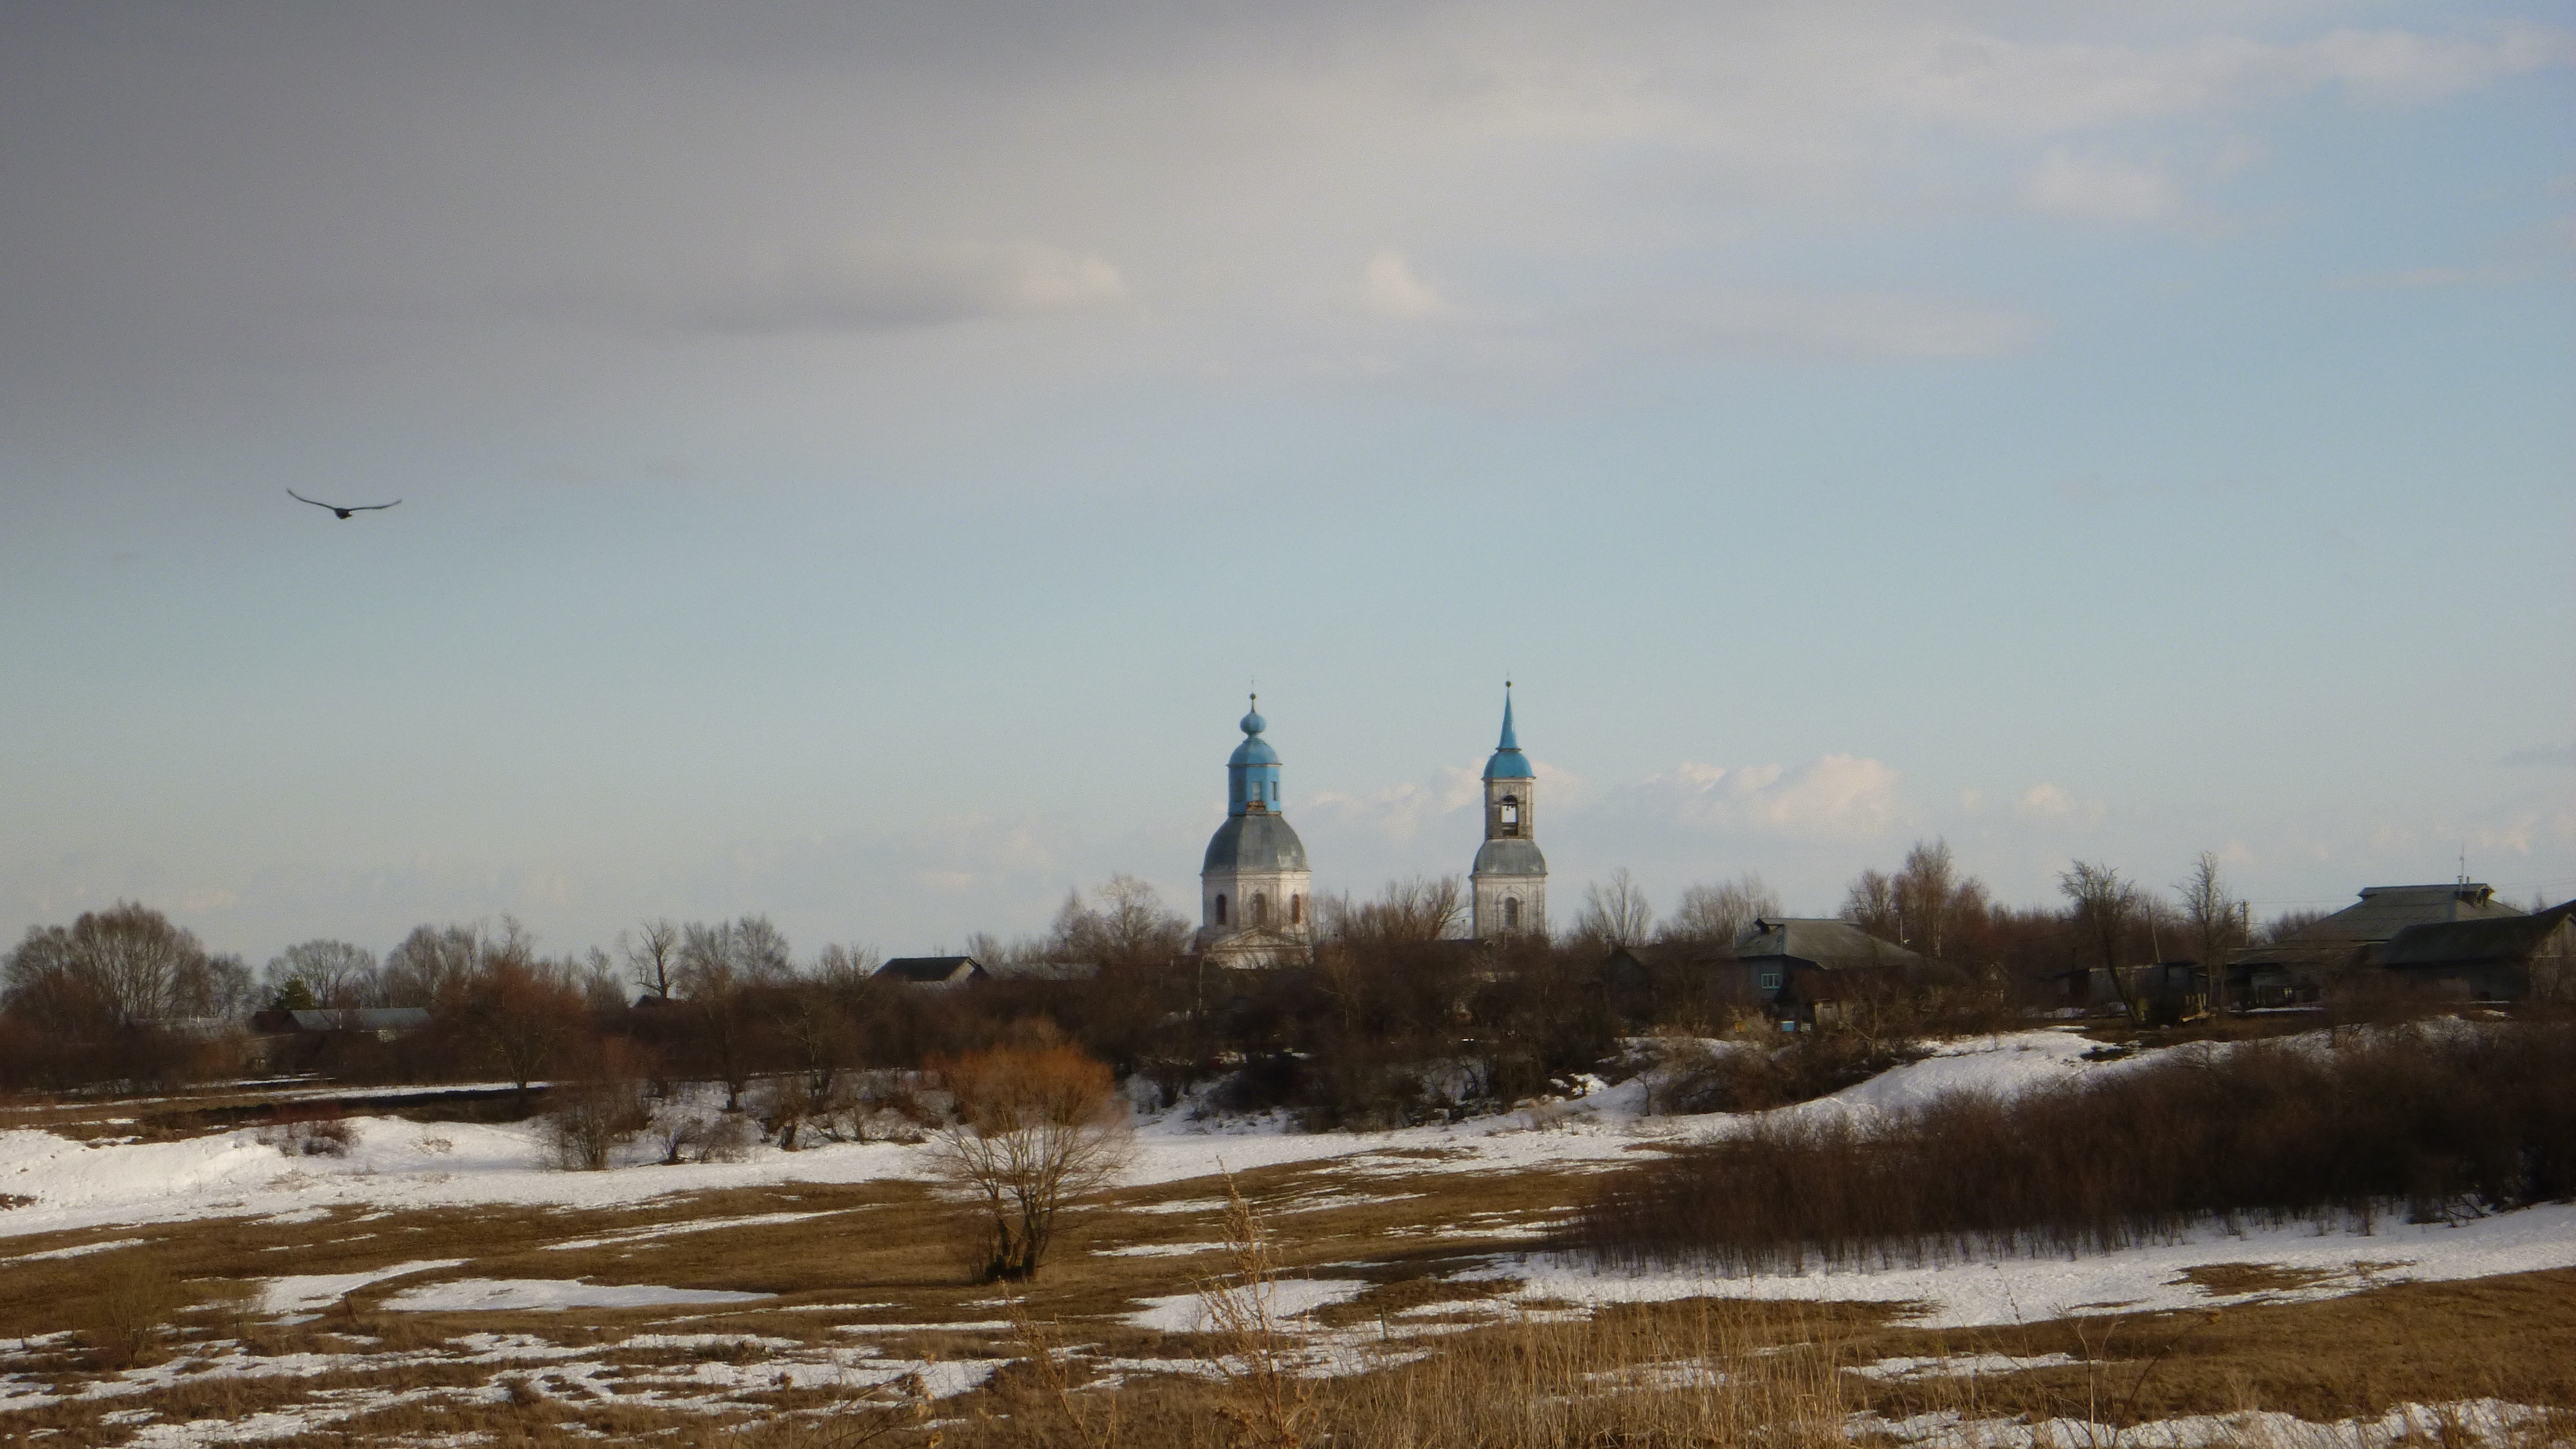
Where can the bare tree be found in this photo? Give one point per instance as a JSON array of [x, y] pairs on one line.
[[523, 1012], [2104, 906], [1615, 912], [431, 965], [336, 974], [652, 954], [121, 966], [1871, 905], [1034, 1130], [1717, 915], [1424, 908], [1125, 925], [1933, 902], [2213, 914], [841, 967]]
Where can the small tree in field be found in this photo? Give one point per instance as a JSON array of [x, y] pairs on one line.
[[1034, 1129]]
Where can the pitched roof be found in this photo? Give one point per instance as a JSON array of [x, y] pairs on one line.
[[2379, 915], [1837, 945], [932, 970], [2450, 943]]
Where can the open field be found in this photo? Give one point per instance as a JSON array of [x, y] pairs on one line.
[[437, 1285]]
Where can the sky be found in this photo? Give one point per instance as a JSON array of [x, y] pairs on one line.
[[854, 460]]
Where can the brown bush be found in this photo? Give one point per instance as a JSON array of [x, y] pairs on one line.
[[129, 1312], [2434, 1121], [1035, 1128]]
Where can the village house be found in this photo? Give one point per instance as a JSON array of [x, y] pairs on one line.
[[2298, 966]]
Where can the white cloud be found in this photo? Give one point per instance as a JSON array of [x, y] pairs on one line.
[[2047, 802], [1398, 812], [1390, 288], [1839, 796], [2096, 188]]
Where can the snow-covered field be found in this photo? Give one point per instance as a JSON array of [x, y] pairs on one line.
[[395, 1164], [63, 1186]]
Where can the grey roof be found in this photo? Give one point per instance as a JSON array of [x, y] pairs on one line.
[[1044, 970], [2379, 915], [2452, 943], [932, 970], [1821, 941], [1510, 857], [1254, 842], [362, 1018]]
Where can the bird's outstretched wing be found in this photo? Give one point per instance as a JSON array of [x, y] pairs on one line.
[[339, 509]]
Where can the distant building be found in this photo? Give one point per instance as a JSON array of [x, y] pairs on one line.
[[932, 970], [1256, 902], [2297, 966], [384, 1023], [1509, 879], [2487, 958], [1796, 970]]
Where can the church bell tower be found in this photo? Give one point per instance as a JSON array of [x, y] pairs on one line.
[[1509, 882]]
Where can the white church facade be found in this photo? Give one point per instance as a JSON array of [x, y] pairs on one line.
[[1256, 893]]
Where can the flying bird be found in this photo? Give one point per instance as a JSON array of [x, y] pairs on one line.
[[336, 509]]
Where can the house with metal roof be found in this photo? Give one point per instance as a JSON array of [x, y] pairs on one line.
[[2487, 958], [2297, 966]]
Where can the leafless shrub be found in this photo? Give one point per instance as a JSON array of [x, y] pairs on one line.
[[593, 1118], [729, 1138], [784, 1104], [311, 1137], [687, 1136], [1035, 1128]]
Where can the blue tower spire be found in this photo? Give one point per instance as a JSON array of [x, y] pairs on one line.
[[1252, 774], [1508, 762]]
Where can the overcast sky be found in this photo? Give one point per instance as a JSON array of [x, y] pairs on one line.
[[854, 459]]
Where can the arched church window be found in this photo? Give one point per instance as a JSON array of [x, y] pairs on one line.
[[1296, 910], [1220, 908], [1260, 909], [1511, 913], [1511, 815]]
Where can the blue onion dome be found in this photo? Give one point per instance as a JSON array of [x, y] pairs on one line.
[[1254, 750]]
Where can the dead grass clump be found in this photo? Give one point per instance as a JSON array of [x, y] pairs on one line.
[[129, 1312], [2229, 1280]]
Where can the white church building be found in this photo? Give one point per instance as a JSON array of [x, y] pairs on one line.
[[1256, 894]]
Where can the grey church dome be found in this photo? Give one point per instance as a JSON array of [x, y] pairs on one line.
[[1510, 857], [1254, 843]]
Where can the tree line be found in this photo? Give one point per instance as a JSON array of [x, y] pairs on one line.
[[1397, 1018]]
